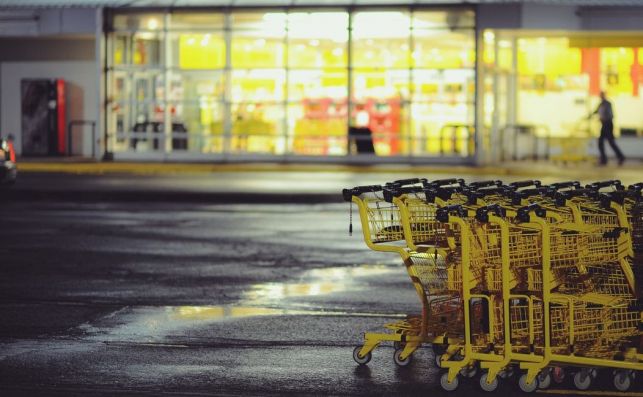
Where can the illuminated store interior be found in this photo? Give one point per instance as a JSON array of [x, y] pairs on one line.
[[291, 83]]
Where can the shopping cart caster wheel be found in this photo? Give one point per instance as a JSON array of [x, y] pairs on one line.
[[488, 386], [622, 380], [582, 380], [593, 372], [438, 349], [544, 379], [361, 360], [398, 360], [469, 372], [527, 387], [446, 385]]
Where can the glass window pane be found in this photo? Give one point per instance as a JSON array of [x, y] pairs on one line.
[[138, 22], [268, 22], [442, 129], [258, 85], [380, 83], [147, 49], [452, 19], [197, 111], [318, 126], [317, 39], [199, 20], [257, 128], [329, 83], [444, 86], [198, 50], [443, 49], [252, 49], [374, 46]]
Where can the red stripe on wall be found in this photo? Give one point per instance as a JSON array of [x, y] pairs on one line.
[[61, 110]]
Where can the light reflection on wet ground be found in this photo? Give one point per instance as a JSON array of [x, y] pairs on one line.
[[315, 282], [152, 324]]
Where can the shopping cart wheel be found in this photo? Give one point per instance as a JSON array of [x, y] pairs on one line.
[[398, 345], [527, 387], [582, 380], [622, 380], [398, 360], [544, 378], [446, 385], [488, 386], [361, 360], [469, 371]]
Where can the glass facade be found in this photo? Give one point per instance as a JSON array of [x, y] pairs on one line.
[[538, 106], [293, 82]]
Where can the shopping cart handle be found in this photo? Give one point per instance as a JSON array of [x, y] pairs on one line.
[[479, 184], [565, 185], [358, 190], [444, 182], [473, 195], [482, 213], [442, 214], [617, 197], [523, 213], [602, 184], [517, 197], [636, 187], [527, 183], [391, 192], [562, 197], [443, 193], [404, 182]]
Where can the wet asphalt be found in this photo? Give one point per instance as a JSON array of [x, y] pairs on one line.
[[132, 298]]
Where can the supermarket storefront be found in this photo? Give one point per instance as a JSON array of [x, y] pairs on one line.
[[457, 84], [290, 83]]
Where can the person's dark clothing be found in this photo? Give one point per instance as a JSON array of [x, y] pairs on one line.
[[606, 116]]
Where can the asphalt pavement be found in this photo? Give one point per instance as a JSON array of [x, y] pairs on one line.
[[209, 282]]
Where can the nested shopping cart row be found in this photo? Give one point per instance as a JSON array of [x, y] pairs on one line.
[[519, 276]]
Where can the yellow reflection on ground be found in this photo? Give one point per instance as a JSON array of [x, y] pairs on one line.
[[319, 282], [208, 313]]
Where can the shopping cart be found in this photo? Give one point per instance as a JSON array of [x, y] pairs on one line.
[[525, 276]]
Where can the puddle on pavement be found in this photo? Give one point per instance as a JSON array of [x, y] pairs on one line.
[[314, 282], [153, 323]]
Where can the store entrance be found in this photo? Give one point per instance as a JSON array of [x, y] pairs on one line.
[[552, 82]]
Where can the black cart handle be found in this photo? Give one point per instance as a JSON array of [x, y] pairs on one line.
[[565, 185], [602, 184], [561, 197], [358, 190], [472, 195], [405, 182], [444, 182], [523, 213], [527, 183], [608, 198], [480, 184], [390, 193], [443, 193], [517, 197], [482, 213], [442, 214]]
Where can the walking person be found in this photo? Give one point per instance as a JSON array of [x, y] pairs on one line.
[[606, 115]]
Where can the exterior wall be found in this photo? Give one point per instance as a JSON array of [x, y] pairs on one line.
[[81, 96]]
